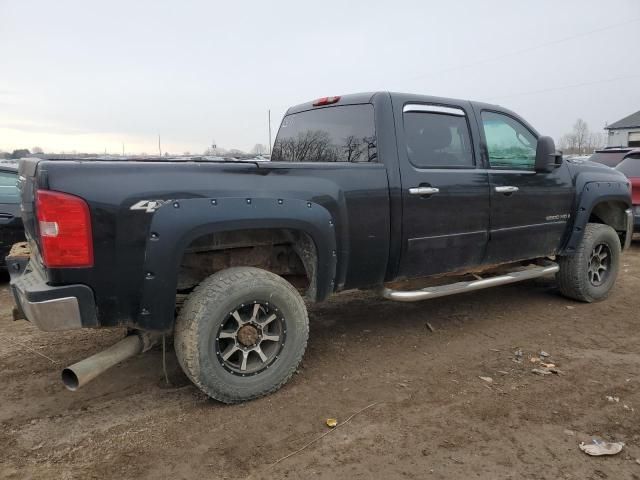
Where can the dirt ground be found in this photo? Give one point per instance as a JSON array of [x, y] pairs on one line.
[[434, 417]]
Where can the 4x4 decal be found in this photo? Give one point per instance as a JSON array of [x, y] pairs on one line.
[[149, 206]]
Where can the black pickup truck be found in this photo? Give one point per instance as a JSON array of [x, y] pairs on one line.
[[362, 191]]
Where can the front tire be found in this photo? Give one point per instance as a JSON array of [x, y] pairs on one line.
[[589, 274], [241, 334]]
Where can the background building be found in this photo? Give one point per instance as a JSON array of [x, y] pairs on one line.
[[625, 132]]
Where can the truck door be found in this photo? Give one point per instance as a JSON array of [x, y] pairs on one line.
[[529, 209], [445, 195]]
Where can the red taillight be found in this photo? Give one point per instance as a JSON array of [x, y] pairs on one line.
[[325, 101], [65, 230]]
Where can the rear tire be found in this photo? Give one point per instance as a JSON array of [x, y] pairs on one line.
[[241, 334], [589, 274]]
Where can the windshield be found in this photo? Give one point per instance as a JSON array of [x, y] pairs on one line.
[[630, 166], [9, 187], [610, 159]]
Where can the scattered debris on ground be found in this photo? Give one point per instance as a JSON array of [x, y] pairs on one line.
[[598, 448], [518, 354]]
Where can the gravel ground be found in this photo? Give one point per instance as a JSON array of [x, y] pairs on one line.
[[433, 416]]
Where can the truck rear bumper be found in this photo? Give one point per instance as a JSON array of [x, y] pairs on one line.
[[50, 308]]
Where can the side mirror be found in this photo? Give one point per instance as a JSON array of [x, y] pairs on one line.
[[546, 156]]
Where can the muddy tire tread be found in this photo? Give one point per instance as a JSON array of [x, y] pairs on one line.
[[570, 279], [212, 290]]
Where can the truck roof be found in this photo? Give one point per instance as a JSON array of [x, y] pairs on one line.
[[367, 97]]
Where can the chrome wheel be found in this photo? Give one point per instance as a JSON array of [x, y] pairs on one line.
[[250, 338], [599, 264]]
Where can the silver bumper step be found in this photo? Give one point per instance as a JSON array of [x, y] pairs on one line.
[[462, 287]]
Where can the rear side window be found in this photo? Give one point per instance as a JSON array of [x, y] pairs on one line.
[[9, 187], [509, 143], [437, 140], [331, 134], [630, 166]]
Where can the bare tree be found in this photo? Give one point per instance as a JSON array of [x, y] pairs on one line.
[[259, 149], [595, 141], [214, 151], [352, 149], [581, 132], [567, 143], [581, 140]]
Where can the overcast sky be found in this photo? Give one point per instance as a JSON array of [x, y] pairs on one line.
[[89, 76]]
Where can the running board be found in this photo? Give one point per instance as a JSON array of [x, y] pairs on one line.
[[461, 287]]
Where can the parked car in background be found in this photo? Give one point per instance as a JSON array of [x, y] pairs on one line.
[[612, 156], [11, 228], [630, 166]]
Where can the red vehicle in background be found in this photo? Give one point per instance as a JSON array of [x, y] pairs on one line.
[[630, 166]]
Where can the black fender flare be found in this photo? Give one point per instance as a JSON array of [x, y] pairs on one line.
[[592, 194], [177, 223]]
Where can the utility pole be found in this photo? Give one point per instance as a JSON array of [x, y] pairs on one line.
[[159, 146], [269, 149], [123, 149]]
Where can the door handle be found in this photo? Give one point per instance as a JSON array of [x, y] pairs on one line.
[[507, 189], [423, 190]]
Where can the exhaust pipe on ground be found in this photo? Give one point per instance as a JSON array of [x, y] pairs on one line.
[[86, 370]]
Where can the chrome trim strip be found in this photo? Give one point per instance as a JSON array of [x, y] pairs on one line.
[[531, 225], [629, 233], [462, 287], [419, 107], [449, 235], [52, 315]]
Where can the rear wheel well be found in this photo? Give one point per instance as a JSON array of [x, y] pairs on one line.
[[611, 213], [285, 252]]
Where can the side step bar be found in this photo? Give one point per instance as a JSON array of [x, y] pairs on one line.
[[462, 287]]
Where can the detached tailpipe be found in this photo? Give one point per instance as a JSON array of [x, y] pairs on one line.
[[86, 370]]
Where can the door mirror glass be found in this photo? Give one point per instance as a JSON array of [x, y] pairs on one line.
[[546, 156]]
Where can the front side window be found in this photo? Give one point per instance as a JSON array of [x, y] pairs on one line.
[[509, 143], [9, 187], [437, 140], [331, 134]]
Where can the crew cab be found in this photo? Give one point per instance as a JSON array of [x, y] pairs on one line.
[[363, 191]]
